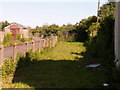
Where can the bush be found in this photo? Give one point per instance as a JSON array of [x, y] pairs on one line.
[[22, 39], [18, 36], [25, 39], [33, 56], [8, 40], [102, 45], [8, 37], [8, 43], [8, 67]]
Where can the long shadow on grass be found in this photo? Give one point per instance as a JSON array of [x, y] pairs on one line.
[[54, 74]]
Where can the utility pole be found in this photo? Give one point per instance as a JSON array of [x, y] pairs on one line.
[[98, 10]]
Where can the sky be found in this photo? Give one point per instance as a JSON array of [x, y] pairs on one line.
[[39, 12]]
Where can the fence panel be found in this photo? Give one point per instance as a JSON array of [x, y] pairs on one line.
[[36, 45], [11, 51], [8, 52], [21, 48], [29, 45]]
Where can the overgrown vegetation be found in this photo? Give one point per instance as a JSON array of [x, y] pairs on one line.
[[8, 40], [25, 39], [18, 36], [103, 42], [67, 32], [101, 47], [98, 37], [51, 69], [9, 66], [3, 25]]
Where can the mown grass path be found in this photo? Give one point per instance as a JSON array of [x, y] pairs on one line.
[[59, 67]]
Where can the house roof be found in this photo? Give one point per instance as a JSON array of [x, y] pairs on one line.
[[20, 25]]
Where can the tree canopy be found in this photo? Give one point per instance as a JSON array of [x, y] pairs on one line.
[[3, 24]]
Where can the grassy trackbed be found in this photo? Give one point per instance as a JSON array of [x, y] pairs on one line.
[[60, 67]]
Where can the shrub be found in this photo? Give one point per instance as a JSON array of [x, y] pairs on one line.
[[8, 40], [8, 37], [102, 45], [8, 67], [25, 39], [33, 56], [18, 36]]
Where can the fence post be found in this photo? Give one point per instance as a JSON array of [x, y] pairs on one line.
[[47, 42], [44, 43], [56, 40], [39, 42], [50, 43], [53, 41], [26, 46], [33, 46], [14, 52], [2, 55]]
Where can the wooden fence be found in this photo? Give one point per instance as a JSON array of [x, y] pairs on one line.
[[12, 51]]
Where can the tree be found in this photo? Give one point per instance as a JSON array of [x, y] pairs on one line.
[[107, 10], [102, 45], [92, 30], [3, 25], [82, 27]]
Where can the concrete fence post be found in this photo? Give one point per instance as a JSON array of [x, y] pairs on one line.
[[2, 55], [14, 52], [33, 46], [39, 43], [53, 42], [26, 46], [56, 40], [47, 42], [44, 43], [50, 43]]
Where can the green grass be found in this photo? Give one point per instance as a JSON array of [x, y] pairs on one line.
[[64, 51], [60, 67]]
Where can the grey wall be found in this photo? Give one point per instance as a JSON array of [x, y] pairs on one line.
[[117, 33]]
